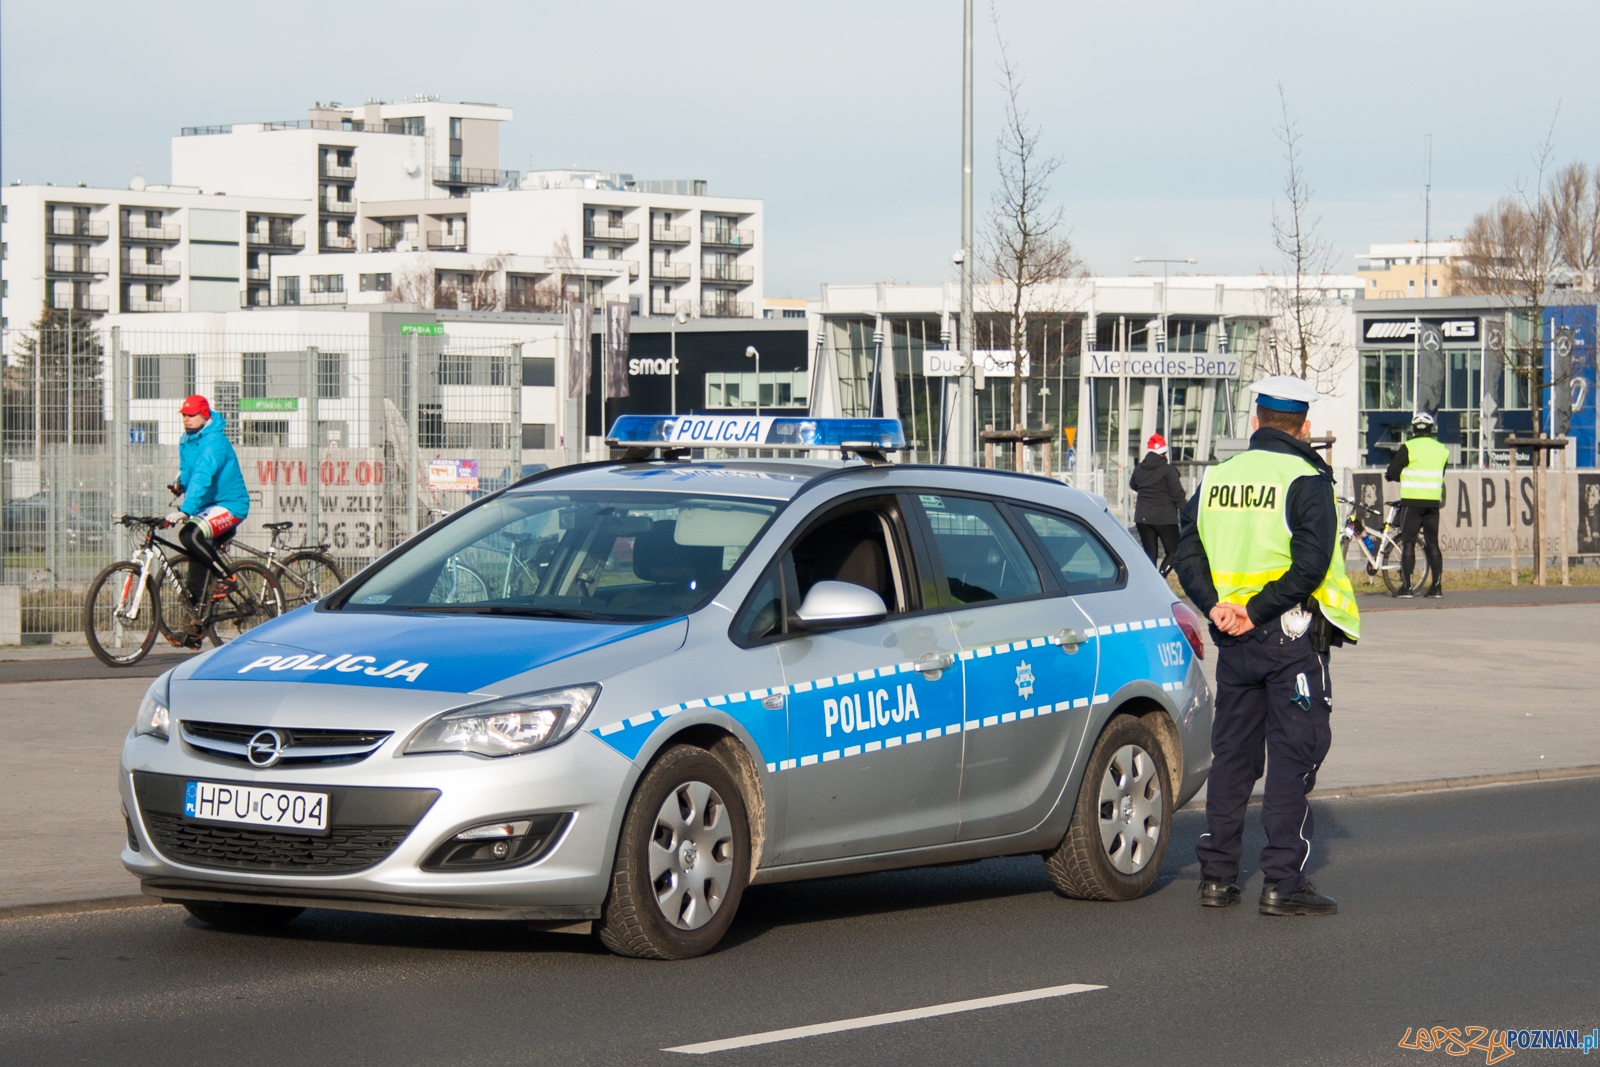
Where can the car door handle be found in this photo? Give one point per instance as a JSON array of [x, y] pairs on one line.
[[932, 663], [1070, 639]]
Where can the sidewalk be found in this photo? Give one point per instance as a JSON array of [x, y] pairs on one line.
[[1426, 695]]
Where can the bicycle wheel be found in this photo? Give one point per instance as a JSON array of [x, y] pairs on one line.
[[307, 577], [251, 599], [459, 584], [118, 630], [1393, 579]]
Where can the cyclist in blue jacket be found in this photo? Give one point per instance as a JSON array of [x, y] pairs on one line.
[[214, 499]]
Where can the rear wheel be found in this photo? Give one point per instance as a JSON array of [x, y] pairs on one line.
[[1118, 837], [119, 624], [1394, 580], [249, 600], [243, 916], [307, 577], [682, 862]]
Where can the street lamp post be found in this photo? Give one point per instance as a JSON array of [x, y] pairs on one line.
[[751, 353], [678, 319], [1166, 398]]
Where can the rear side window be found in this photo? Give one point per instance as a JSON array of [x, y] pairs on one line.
[[1083, 563], [983, 560]]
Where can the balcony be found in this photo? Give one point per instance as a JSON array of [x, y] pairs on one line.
[[472, 176], [255, 298], [295, 239], [727, 237], [388, 242], [600, 231], [672, 272], [669, 235], [671, 308], [155, 305], [323, 298], [79, 265], [86, 228], [167, 269], [448, 240], [727, 309], [339, 174], [82, 302], [727, 272], [338, 207], [161, 234], [258, 274], [335, 243]]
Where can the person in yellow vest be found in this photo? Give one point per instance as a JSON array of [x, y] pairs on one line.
[[1418, 465], [1258, 554]]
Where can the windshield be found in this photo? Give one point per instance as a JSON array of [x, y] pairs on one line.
[[584, 555]]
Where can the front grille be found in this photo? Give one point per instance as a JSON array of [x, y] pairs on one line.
[[341, 850], [301, 745], [365, 825]]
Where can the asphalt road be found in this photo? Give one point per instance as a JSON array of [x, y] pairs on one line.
[[1463, 908]]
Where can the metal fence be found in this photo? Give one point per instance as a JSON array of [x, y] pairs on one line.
[[361, 439]]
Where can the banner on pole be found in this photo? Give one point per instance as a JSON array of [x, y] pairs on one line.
[[618, 335], [577, 348]]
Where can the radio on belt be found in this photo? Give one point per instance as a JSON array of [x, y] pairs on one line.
[[641, 435]]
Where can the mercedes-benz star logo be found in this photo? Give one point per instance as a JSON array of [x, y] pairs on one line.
[[265, 748]]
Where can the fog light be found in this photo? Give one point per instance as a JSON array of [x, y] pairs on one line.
[[508, 843], [133, 839]]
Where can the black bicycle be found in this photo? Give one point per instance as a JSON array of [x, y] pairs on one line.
[[133, 600]]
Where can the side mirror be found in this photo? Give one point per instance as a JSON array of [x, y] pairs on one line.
[[835, 605]]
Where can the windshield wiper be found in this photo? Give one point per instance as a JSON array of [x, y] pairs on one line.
[[522, 611]]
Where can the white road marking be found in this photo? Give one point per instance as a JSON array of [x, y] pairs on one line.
[[887, 1018]]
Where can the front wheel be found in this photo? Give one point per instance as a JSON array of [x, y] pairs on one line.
[[120, 619], [682, 860], [307, 577], [1120, 827], [239, 606]]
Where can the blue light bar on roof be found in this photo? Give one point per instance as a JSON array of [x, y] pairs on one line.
[[756, 431]]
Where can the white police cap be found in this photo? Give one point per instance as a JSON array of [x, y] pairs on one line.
[[1284, 392]]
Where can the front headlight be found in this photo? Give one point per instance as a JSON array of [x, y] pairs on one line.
[[508, 726], [154, 717]]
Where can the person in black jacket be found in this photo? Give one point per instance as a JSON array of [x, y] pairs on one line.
[[1160, 495]]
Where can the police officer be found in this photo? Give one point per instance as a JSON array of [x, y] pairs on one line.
[[1258, 555], [1418, 465]]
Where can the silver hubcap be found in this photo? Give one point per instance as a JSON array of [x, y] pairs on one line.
[[1130, 809], [691, 855]]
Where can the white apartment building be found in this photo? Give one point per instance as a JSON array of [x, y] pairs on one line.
[[156, 248], [419, 176]]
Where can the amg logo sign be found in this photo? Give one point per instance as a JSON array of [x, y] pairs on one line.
[[1406, 329]]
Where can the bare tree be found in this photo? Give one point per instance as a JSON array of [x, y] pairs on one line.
[[1025, 245], [1575, 203], [415, 285], [1306, 331]]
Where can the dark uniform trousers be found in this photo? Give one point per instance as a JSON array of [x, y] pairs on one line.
[[1259, 723]]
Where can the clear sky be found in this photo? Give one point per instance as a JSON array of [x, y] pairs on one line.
[[845, 117]]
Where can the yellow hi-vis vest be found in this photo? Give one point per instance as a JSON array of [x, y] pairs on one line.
[[1244, 526], [1423, 478]]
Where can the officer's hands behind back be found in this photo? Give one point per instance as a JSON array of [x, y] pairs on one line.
[[1232, 619]]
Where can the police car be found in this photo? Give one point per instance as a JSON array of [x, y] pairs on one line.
[[612, 696]]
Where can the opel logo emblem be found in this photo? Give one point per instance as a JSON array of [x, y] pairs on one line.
[[265, 748]]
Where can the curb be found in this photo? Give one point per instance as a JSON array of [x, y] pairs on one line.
[[1435, 785], [1426, 785], [78, 907]]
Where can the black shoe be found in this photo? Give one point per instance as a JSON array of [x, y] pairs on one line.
[[1406, 592], [1435, 593], [1218, 894], [1303, 901], [191, 641]]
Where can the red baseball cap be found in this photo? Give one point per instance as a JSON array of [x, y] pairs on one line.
[[195, 405]]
